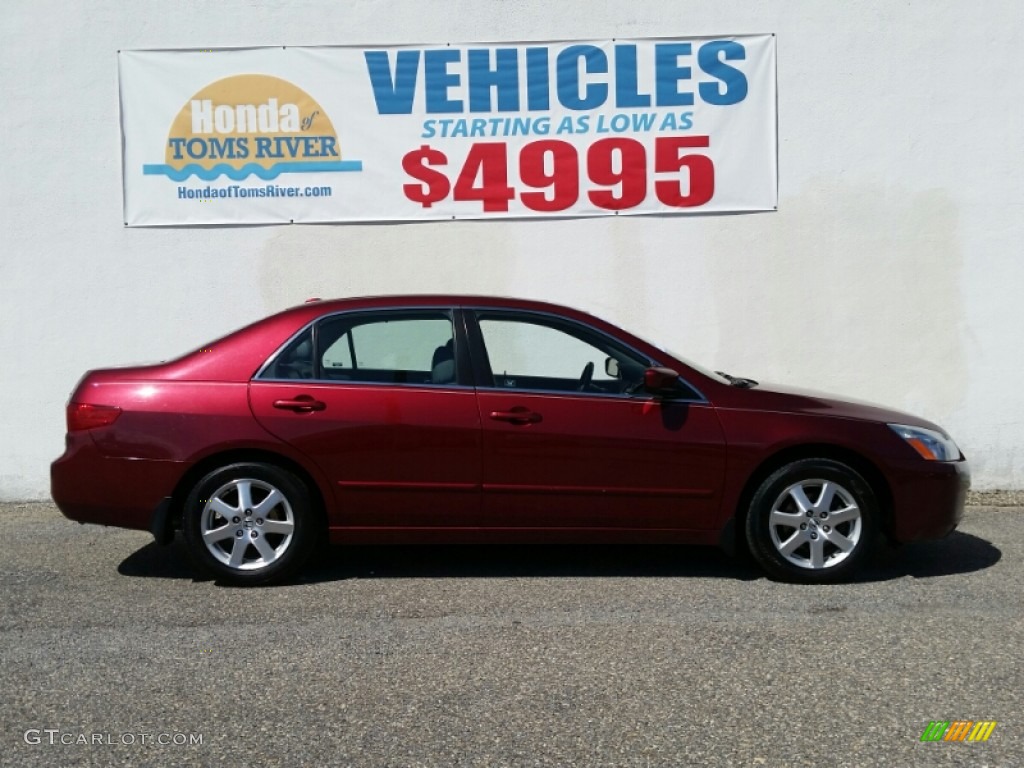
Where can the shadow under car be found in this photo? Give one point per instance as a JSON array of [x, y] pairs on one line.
[[957, 553]]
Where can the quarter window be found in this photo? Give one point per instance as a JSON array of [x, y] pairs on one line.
[[295, 361]]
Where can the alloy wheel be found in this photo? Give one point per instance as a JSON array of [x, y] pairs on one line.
[[247, 524], [815, 524]]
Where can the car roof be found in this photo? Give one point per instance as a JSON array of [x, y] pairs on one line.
[[313, 308], [441, 300], [250, 347]]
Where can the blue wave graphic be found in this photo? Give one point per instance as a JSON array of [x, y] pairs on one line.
[[249, 169]]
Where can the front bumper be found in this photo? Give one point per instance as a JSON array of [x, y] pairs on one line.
[[928, 498]]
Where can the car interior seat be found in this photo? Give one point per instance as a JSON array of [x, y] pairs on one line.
[[442, 367]]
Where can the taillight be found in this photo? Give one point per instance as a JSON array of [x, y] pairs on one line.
[[88, 416]]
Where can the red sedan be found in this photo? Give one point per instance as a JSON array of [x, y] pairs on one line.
[[471, 419]]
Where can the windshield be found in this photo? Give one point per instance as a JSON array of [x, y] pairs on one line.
[[689, 363]]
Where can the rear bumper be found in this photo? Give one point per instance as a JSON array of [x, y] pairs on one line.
[[928, 498], [90, 488]]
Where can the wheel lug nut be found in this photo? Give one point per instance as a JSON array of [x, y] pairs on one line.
[[236, 519], [259, 521], [255, 534], [814, 535], [824, 515], [826, 528], [238, 533], [810, 513], [248, 513], [803, 526]]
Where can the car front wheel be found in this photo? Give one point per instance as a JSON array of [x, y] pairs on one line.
[[249, 523], [812, 521]]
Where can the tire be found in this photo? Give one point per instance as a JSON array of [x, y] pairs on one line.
[[259, 524], [813, 521]]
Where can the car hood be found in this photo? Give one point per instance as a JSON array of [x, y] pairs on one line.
[[777, 397]]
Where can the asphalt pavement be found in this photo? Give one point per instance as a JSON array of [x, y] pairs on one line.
[[112, 653]]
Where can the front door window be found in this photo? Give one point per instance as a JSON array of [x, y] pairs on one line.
[[528, 353]]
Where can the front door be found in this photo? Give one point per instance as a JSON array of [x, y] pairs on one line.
[[570, 441]]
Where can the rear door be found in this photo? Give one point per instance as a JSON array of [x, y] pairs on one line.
[[571, 441], [379, 401]]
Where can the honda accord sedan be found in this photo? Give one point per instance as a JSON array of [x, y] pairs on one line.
[[472, 419]]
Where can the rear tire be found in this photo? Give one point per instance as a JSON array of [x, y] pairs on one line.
[[249, 523], [813, 521]]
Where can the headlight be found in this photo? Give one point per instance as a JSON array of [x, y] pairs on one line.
[[932, 445]]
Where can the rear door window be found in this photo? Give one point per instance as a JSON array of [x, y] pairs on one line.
[[391, 347]]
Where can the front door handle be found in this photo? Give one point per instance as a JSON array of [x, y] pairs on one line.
[[301, 404], [518, 415]]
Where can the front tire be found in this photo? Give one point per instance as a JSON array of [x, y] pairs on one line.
[[813, 521], [249, 523]]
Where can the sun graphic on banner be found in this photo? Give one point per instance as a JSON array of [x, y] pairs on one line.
[[250, 125]]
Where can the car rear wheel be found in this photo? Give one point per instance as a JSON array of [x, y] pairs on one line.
[[812, 521], [249, 523]]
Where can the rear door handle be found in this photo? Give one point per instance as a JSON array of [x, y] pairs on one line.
[[518, 415], [301, 404]]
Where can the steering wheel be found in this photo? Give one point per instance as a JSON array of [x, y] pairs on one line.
[[586, 377]]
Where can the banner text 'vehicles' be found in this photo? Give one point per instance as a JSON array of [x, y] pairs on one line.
[[584, 78]]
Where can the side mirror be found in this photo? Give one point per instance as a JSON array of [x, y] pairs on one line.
[[611, 367], [661, 381]]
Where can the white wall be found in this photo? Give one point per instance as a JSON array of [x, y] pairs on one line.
[[892, 270]]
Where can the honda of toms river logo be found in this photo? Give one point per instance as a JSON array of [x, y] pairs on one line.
[[250, 125]]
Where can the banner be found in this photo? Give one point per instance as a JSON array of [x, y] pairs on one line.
[[412, 133]]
